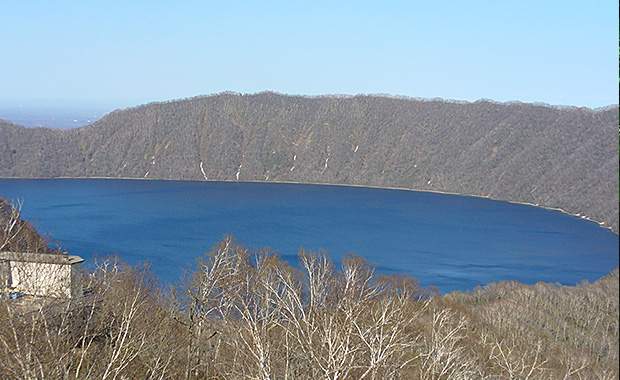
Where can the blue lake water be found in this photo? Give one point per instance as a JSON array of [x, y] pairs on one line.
[[450, 241]]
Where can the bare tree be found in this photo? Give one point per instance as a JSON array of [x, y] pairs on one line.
[[10, 223], [17, 235]]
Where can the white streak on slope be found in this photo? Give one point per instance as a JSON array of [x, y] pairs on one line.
[[327, 159], [203, 171]]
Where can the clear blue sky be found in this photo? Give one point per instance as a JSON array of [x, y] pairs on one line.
[[559, 52]]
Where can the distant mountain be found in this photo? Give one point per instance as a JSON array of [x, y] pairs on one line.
[[555, 157]]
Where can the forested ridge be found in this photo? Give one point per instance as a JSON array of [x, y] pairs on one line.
[[551, 156]]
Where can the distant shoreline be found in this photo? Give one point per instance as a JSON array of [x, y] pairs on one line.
[[600, 224]]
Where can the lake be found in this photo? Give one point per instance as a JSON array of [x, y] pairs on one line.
[[449, 241]]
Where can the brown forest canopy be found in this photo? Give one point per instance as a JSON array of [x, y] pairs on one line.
[[554, 157]]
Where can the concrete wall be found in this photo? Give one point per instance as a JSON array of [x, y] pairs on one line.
[[44, 274], [5, 274]]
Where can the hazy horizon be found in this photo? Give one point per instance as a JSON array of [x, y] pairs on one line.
[[551, 52]]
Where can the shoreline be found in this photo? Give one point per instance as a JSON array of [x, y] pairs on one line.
[[600, 224]]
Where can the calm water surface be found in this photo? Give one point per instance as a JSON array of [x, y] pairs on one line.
[[453, 242]]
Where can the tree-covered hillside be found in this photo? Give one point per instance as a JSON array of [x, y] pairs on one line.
[[554, 157]]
